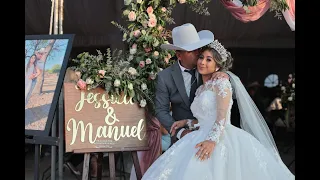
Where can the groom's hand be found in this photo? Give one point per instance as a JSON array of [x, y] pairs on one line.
[[176, 125], [219, 75]]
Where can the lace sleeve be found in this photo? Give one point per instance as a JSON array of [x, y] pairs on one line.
[[223, 90]]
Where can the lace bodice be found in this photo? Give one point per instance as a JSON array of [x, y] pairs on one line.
[[212, 107]]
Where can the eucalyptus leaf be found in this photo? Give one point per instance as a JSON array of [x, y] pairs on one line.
[[108, 78], [131, 93], [97, 79]]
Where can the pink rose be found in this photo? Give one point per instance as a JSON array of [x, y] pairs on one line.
[[160, 28], [152, 76], [150, 10], [152, 22], [102, 73], [134, 46], [163, 9], [142, 64], [148, 49], [132, 16], [82, 84], [137, 33], [169, 55]]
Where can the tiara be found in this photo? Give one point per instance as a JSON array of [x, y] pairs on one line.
[[220, 49]]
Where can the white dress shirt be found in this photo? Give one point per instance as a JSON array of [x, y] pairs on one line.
[[187, 84]]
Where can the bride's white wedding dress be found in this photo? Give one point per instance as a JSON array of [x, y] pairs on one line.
[[236, 156]]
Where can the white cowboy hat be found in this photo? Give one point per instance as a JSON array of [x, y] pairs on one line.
[[186, 38]]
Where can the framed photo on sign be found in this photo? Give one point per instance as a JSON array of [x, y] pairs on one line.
[[46, 59]]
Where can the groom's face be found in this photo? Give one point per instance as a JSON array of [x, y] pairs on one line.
[[188, 58]]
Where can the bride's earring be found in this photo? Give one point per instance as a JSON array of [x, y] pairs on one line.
[[217, 69]]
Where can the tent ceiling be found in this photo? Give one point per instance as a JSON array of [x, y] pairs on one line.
[[90, 21]]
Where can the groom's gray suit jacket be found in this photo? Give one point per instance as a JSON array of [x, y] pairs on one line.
[[170, 88]]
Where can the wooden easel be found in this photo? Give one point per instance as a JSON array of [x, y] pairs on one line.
[[112, 165]]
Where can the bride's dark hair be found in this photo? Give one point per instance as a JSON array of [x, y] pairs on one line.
[[35, 61], [223, 65]]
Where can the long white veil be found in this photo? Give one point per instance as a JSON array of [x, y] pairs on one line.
[[251, 119], [253, 122]]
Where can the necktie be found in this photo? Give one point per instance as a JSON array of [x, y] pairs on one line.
[[193, 84]]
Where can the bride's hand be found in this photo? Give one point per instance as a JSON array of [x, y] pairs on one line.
[[205, 149], [176, 125]]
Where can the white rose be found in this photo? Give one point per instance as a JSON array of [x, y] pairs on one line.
[[156, 53], [148, 61], [143, 103], [152, 16], [139, 1], [130, 57], [130, 86], [160, 69], [144, 86], [290, 98], [290, 75], [132, 71], [293, 85], [116, 83], [126, 12], [143, 32], [155, 43], [89, 81], [133, 51], [283, 88], [182, 1]]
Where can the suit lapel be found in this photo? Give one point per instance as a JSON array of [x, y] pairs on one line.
[[178, 80]]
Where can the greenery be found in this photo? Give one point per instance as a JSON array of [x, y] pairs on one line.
[[275, 5], [55, 69], [133, 71]]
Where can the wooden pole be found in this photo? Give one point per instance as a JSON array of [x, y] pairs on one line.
[[61, 16], [56, 16], [51, 16]]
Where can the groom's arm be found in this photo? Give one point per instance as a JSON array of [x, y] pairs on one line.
[[162, 108], [162, 104]]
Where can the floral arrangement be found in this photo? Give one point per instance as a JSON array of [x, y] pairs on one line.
[[288, 91], [275, 5], [133, 72]]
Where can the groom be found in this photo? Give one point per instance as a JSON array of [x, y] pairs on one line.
[[177, 84]]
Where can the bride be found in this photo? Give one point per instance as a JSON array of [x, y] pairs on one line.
[[218, 150]]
